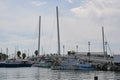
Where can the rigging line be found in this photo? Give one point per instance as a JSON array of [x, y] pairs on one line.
[[43, 43], [35, 34], [108, 45], [110, 50], [52, 32]]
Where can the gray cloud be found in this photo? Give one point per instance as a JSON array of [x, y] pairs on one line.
[[38, 3], [21, 28], [101, 13]]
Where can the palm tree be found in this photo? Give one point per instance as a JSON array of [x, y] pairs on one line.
[[23, 55], [73, 52], [3, 56], [69, 52], [36, 52], [18, 54]]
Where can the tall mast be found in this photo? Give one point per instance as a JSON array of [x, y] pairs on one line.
[[103, 43], [58, 30], [39, 35]]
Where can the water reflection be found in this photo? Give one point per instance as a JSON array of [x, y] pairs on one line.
[[116, 75], [35, 73], [106, 75], [55, 75], [70, 75]]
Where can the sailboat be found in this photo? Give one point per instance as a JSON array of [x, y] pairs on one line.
[[41, 61], [11, 63], [70, 62]]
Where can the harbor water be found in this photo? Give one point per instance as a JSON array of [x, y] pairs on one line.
[[35, 73]]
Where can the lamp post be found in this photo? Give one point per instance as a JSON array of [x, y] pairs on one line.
[[88, 54]]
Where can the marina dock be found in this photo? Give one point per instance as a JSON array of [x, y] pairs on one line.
[[97, 60]]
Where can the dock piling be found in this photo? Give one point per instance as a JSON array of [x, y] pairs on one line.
[[96, 78]]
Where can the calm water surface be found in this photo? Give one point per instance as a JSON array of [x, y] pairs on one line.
[[35, 73]]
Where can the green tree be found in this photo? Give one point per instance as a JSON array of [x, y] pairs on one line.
[[36, 52], [18, 54], [3, 56], [23, 55], [73, 52], [69, 52]]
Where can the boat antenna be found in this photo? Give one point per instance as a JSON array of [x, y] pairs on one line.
[[58, 30], [39, 35]]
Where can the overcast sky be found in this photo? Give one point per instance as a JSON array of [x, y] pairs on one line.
[[80, 21]]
